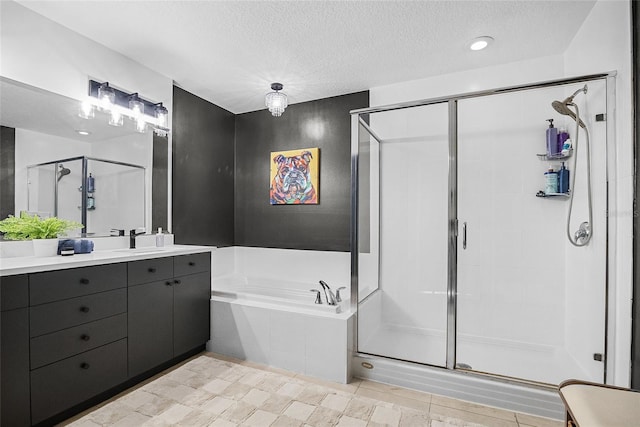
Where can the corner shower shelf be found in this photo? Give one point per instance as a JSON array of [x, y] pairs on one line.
[[561, 195], [553, 157]]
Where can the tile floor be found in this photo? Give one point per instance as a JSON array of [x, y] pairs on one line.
[[211, 390]]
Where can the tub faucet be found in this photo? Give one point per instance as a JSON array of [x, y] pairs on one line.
[[132, 238], [331, 299]]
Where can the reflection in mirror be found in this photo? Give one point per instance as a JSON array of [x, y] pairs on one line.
[[43, 127]]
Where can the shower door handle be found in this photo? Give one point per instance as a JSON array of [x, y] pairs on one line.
[[464, 235]]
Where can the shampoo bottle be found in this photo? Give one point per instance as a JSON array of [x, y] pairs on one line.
[[563, 135], [159, 238], [563, 179], [551, 181], [91, 184], [552, 139]]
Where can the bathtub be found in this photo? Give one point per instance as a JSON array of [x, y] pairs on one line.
[[277, 323], [292, 296]]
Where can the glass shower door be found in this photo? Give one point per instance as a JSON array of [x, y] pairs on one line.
[[529, 304], [403, 212]]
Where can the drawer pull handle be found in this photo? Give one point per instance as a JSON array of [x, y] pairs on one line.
[[85, 365], [177, 282], [84, 281], [152, 270], [84, 309], [191, 263], [85, 337], [168, 283]]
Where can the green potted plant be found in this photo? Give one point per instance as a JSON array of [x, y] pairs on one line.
[[32, 227]]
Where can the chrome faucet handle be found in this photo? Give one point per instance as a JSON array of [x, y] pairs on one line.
[[318, 297], [338, 298]]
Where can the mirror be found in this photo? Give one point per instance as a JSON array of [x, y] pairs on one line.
[[44, 128]]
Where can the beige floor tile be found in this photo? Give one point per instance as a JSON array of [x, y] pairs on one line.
[[156, 406], [359, 408], [136, 398], [276, 404], [324, 417], [236, 391], [472, 407], [256, 397], [348, 388], [197, 418], [336, 402], [110, 414], [525, 420], [134, 419], [346, 421], [174, 413], [284, 421], [421, 405], [217, 405], [84, 422], [400, 391], [271, 383], [384, 415], [219, 422], [238, 412], [260, 419], [440, 413], [312, 394], [290, 389], [252, 378], [197, 398], [299, 410], [412, 418], [216, 386]]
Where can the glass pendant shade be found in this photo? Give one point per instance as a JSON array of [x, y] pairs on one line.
[[136, 106], [87, 110], [162, 120], [276, 101], [116, 119], [106, 97]]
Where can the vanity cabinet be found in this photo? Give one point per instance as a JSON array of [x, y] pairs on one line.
[[72, 337], [168, 308], [14, 363], [77, 336]]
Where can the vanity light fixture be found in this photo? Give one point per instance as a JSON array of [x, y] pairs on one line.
[[276, 101], [119, 104], [480, 43]]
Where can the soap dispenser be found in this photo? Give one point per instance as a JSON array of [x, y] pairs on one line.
[[159, 238], [563, 179], [552, 139]]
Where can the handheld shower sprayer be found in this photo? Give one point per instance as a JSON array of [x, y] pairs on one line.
[[63, 171], [562, 107], [584, 234]]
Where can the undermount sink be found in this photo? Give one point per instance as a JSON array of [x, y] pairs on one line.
[[141, 250]]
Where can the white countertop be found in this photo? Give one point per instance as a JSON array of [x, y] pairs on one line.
[[32, 264]]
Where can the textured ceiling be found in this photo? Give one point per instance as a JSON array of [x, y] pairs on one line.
[[229, 52]]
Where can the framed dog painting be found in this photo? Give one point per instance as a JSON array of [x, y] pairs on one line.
[[294, 177]]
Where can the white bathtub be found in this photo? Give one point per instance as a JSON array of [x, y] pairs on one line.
[[286, 295], [277, 323]]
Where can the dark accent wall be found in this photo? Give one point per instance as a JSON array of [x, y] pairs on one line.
[[159, 183], [7, 171], [635, 342], [203, 160], [323, 123]]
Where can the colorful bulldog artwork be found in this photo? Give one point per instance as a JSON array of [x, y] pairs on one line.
[[294, 177]]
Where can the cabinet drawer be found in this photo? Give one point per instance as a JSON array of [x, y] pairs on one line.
[[14, 292], [61, 385], [189, 264], [59, 345], [60, 315], [63, 284], [150, 270]]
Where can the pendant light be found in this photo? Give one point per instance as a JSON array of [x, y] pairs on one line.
[[276, 101]]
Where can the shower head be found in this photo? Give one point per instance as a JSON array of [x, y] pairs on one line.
[[562, 107], [63, 171]]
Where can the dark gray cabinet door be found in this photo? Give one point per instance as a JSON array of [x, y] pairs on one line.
[[150, 327], [191, 295], [14, 373]]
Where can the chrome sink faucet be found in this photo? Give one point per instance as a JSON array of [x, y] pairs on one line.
[[132, 238], [331, 299]]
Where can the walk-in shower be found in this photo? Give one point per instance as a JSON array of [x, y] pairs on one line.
[[100, 194], [456, 264]]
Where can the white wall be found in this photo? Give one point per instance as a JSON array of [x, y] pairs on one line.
[[59, 60], [601, 45]]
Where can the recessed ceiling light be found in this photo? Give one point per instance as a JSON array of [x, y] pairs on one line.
[[83, 132], [480, 43]]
